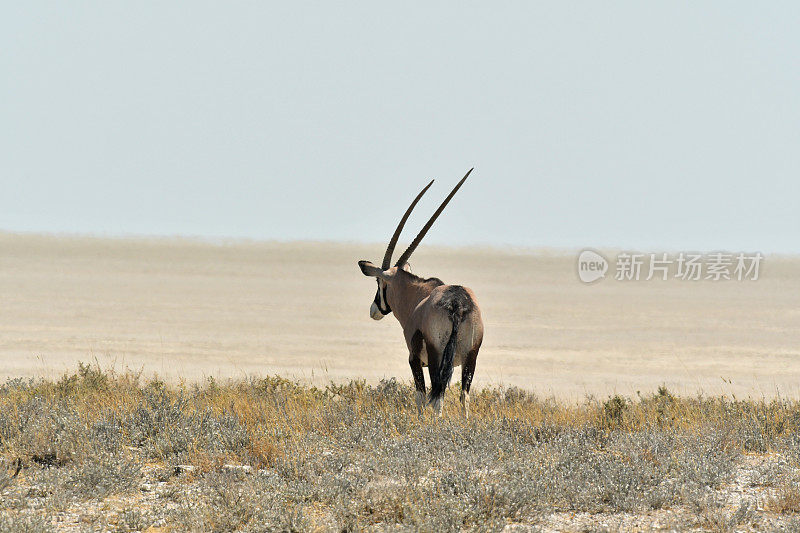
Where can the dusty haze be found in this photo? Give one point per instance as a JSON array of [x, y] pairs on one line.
[[186, 309]]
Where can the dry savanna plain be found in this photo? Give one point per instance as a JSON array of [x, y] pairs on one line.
[[172, 384]]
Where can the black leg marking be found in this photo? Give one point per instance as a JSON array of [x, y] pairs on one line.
[[434, 363], [419, 377], [468, 370], [416, 363], [434, 360]]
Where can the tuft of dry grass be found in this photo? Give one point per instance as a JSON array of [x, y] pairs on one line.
[[267, 454]]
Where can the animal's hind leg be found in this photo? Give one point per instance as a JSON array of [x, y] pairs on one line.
[[467, 371], [416, 370], [434, 360]]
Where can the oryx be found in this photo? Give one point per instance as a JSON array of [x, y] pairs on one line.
[[441, 323]]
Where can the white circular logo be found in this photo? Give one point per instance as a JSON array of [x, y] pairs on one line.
[[591, 266]]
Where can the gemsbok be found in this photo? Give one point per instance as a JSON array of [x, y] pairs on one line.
[[441, 323]]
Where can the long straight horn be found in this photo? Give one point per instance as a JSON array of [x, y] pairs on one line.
[[387, 258], [410, 250]]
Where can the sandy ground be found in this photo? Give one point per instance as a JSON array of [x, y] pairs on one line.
[[187, 309]]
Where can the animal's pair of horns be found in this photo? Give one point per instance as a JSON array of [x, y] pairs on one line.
[[387, 258]]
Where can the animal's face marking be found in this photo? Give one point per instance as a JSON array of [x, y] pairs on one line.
[[380, 303]]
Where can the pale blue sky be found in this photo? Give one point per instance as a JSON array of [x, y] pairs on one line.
[[634, 124]]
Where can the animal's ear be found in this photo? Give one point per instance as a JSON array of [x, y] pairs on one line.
[[371, 270]]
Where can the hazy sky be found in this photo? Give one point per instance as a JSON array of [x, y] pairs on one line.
[[657, 127]]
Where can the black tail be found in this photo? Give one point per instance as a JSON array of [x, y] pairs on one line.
[[439, 385], [457, 303]]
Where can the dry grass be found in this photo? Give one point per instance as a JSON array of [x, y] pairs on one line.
[[107, 450]]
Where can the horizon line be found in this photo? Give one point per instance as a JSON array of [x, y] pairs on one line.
[[234, 240]]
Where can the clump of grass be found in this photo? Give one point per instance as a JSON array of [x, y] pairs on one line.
[[272, 454], [614, 409]]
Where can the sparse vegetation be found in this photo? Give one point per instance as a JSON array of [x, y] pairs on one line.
[[107, 450]]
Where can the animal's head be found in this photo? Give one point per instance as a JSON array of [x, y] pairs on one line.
[[385, 273], [380, 305]]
